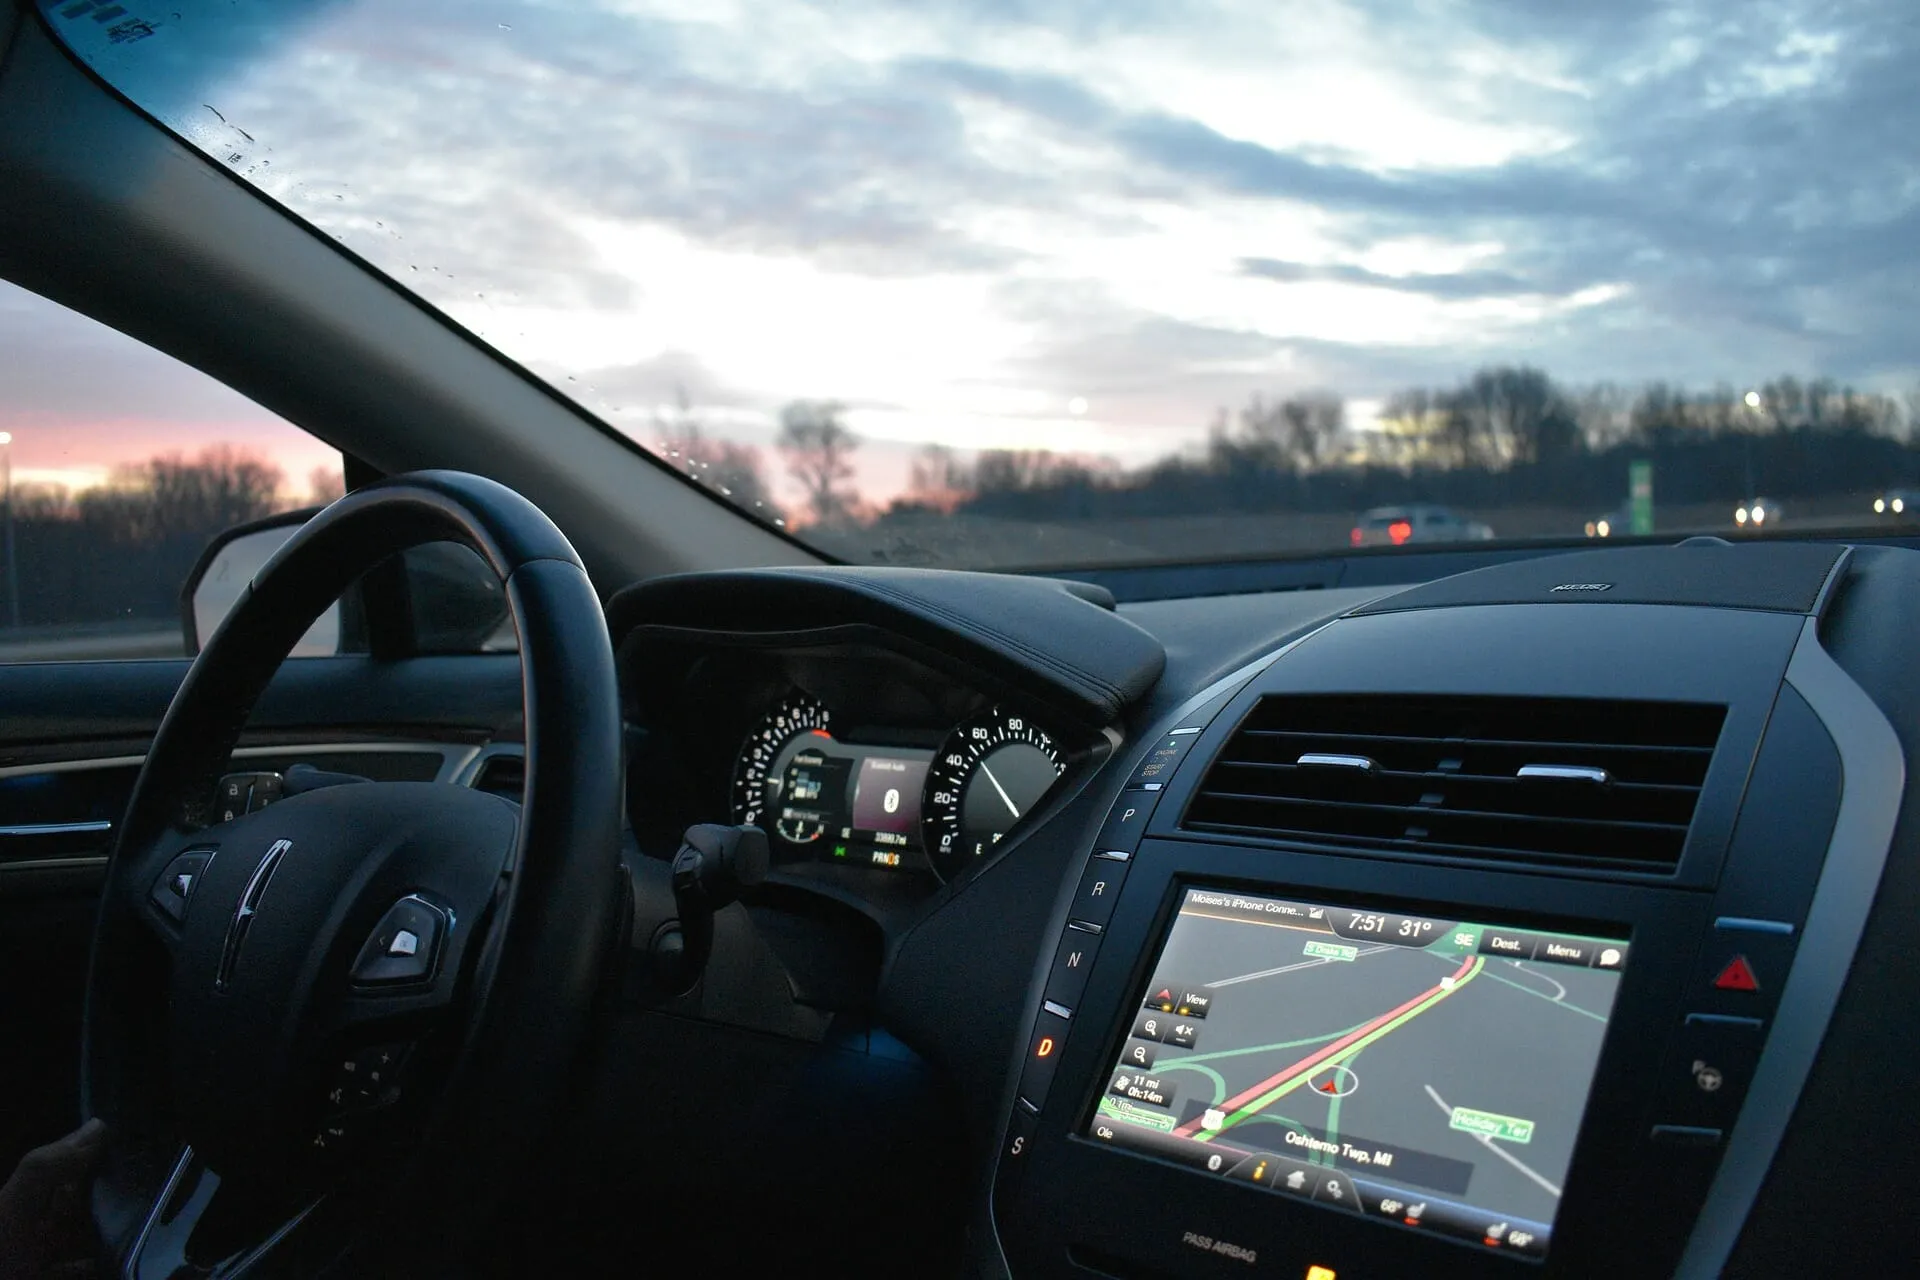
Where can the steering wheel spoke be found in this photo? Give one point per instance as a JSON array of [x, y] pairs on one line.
[[196, 1224]]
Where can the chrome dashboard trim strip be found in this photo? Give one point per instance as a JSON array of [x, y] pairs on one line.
[[453, 757], [1873, 773], [87, 862], [31, 829]]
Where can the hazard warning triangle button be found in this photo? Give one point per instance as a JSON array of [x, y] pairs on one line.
[[1737, 976]]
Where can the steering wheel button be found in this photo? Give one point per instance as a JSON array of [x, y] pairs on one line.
[[368, 1077], [174, 888], [403, 946]]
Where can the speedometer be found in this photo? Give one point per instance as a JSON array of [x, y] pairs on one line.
[[760, 772], [991, 771]]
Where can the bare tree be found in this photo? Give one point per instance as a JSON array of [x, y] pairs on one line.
[[1508, 414], [170, 496], [818, 448], [324, 485], [730, 469], [938, 479]]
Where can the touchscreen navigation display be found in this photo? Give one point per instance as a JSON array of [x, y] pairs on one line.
[[1430, 1073]]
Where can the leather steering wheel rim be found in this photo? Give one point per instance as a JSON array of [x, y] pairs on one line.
[[557, 907]]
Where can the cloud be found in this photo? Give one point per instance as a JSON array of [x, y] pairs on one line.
[[958, 215], [1450, 284]]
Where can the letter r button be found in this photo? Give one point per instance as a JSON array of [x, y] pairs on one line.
[[1099, 887]]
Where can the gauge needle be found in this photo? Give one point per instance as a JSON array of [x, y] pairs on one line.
[[1002, 790]]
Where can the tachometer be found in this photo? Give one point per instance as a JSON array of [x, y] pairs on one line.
[[991, 771], [799, 722]]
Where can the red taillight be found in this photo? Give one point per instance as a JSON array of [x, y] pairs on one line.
[[1357, 537], [1399, 531]]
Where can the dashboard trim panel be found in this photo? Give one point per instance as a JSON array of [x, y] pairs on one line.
[[1873, 771], [458, 763]]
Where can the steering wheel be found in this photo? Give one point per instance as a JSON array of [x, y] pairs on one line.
[[333, 1025]]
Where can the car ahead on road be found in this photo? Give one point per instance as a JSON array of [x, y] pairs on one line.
[[1757, 513], [1898, 502], [1611, 524], [1422, 522]]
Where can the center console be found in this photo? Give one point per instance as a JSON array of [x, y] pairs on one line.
[[1384, 965]]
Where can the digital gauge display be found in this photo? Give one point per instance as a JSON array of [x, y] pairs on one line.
[[834, 801]]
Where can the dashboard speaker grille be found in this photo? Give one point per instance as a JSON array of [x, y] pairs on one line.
[[1558, 780]]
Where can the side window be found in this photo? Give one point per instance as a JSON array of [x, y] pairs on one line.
[[118, 464]]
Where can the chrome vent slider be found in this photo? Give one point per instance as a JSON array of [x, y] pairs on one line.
[[1565, 773], [1329, 760]]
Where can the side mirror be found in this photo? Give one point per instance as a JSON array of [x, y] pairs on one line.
[[444, 600], [228, 565]]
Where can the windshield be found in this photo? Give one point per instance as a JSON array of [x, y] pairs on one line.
[[1054, 285]]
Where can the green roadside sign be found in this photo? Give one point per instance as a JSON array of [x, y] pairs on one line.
[[1640, 495]]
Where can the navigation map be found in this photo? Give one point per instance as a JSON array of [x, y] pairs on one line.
[[1427, 1071]]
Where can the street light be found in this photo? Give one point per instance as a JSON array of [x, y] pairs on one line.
[[6, 496]]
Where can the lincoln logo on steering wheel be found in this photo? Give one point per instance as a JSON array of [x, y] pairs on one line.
[[243, 915]]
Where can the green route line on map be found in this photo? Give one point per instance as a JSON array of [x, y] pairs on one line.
[[1263, 1048], [1572, 1008], [1333, 1103], [1219, 1081], [1299, 1078]]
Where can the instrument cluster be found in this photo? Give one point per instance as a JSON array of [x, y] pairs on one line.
[[848, 751], [832, 795]]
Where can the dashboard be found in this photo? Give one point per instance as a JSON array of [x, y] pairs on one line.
[[1432, 932]]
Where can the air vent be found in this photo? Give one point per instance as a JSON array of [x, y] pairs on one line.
[[502, 775], [1514, 779]]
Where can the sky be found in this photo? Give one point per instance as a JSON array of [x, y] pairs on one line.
[[1081, 227], [77, 398]]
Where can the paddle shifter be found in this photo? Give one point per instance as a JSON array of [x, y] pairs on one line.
[[714, 864]]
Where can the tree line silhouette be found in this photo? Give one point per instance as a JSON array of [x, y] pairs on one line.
[[121, 551], [1505, 436]]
